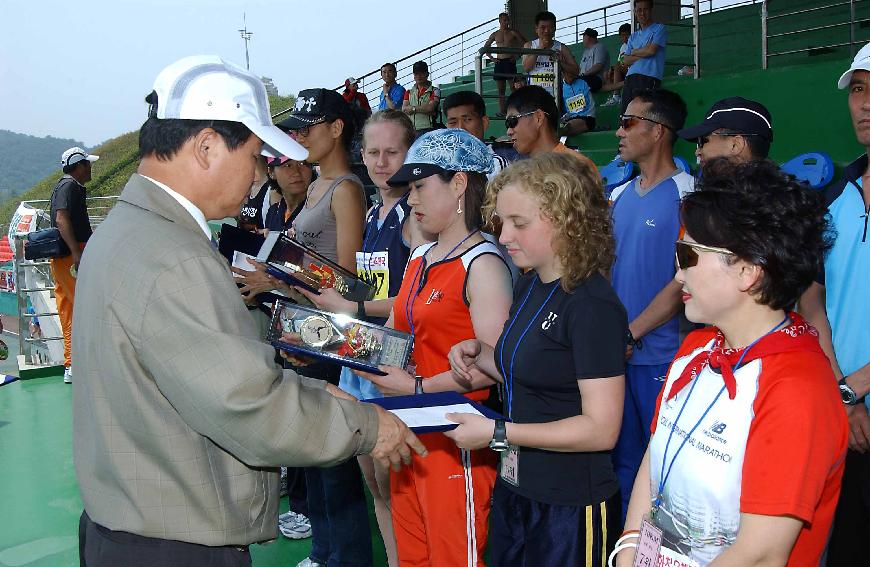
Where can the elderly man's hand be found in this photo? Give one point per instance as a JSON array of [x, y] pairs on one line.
[[395, 441]]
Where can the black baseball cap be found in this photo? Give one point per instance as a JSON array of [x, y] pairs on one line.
[[312, 105], [737, 114], [420, 67]]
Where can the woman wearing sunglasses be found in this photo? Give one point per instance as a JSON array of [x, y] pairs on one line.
[[746, 458], [561, 358]]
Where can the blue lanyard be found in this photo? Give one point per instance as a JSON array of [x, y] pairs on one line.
[[509, 376], [663, 477], [417, 286]]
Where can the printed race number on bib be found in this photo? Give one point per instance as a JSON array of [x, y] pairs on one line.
[[373, 267], [577, 103]]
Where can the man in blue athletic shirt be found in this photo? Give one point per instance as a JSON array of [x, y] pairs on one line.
[[645, 54], [646, 224], [838, 306]]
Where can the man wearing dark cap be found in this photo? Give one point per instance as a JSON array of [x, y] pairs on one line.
[[69, 213], [595, 60], [421, 100], [735, 128]]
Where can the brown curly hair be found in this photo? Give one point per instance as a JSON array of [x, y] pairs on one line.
[[570, 194]]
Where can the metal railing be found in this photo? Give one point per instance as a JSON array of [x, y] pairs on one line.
[[846, 19], [447, 58], [39, 277], [608, 18]]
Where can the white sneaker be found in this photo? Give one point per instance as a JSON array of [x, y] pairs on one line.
[[613, 100], [294, 526], [67, 375], [307, 562]]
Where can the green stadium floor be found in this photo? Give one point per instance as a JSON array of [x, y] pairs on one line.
[[39, 499]]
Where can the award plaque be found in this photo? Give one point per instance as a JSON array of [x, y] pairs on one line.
[[295, 264], [337, 338]]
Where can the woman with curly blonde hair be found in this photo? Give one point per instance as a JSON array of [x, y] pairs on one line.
[[561, 358]]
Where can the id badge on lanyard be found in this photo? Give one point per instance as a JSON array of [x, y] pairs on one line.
[[374, 268], [509, 466], [652, 548]]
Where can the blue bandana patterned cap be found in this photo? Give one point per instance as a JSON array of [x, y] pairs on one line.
[[447, 149]]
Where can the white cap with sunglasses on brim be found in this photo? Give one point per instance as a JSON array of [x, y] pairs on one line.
[[74, 155], [861, 62], [439, 151], [205, 87]]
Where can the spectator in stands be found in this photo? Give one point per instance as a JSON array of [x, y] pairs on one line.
[[540, 68], [645, 55], [392, 92], [454, 289], [646, 223], [505, 63], [578, 106], [467, 110], [291, 179], [532, 123], [837, 305], [391, 233], [613, 79], [69, 214], [518, 82], [564, 395], [331, 222], [755, 481], [594, 61], [185, 384], [357, 100], [421, 102], [735, 128]]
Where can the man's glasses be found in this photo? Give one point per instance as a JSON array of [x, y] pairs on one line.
[[512, 121], [629, 121], [704, 140], [305, 130], [687, 253]]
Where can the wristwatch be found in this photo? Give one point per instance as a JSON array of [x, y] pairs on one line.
[[848, 395], [317, 331], [499, 442]]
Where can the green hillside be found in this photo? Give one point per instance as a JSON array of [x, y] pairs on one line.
[[119, 158], [27, 159]]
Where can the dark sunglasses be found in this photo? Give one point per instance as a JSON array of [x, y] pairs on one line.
[[629, 121], [305, 130], [512, 121], [687, 253]]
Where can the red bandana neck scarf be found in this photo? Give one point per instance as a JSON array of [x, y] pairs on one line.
[[798, 336]]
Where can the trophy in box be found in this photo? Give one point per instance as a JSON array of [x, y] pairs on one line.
[[337, 338], [296, 264]]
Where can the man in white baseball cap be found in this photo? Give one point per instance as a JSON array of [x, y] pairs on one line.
[[181, 417], [837, 305], [69, 214]]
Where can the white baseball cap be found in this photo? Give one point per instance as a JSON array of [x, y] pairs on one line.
[[205, 87], [74, 155], [861, 62]]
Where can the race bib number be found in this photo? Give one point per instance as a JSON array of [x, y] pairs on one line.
[[510, 465], [373, 268], [576, 103], [545, 80]]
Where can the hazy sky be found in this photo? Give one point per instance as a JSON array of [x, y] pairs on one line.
[[81, 70]]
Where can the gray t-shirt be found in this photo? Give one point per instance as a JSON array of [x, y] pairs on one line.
[[596, 54]]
